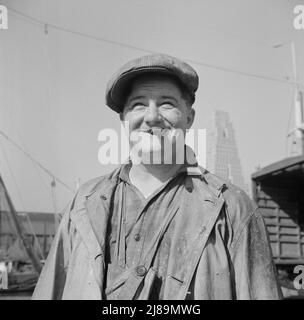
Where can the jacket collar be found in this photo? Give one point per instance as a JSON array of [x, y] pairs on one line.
[[96, 205], [190, 167]]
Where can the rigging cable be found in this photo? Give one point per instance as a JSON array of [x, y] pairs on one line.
[[33, 163], [46, 26], [37, 162], [22, 203], [53, 186]]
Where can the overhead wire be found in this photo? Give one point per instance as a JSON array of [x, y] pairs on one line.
[[13, 176], [22, 202], [52, 191], [47, 25], [37, 162], [33, 163]]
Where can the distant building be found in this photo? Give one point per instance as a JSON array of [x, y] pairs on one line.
[[222, 154]]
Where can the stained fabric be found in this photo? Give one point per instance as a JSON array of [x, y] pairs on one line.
[[133, 228], [214, 245]]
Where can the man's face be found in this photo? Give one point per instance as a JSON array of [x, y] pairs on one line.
[[156, 103]]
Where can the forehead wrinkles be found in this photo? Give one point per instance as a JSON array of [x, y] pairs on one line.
[[154, 89]]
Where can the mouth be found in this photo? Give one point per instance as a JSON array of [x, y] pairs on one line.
[[155, 131]]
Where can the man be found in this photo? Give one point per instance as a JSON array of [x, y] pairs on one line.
[[166, 229]]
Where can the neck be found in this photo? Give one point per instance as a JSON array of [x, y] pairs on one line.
[[150, 172]]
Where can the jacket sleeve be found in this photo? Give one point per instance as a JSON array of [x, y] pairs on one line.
[[254, 271], [53, 275]]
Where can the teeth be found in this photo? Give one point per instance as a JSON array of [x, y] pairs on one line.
[[157, 131], [154, 131]]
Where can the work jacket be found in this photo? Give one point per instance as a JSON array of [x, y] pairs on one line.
[[225, 254]]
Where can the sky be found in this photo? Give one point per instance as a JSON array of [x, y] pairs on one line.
[[52, 82]]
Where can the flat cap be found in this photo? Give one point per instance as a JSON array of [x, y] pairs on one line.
[[153, 63]]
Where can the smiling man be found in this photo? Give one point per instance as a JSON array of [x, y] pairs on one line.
[[158, 227], [158, 116]]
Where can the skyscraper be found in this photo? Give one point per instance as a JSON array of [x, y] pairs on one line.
[[222, 154]]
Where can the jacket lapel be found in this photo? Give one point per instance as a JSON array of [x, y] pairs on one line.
[[98, 210], [210, 206], [199, 212], [202, 235], [90, 218]]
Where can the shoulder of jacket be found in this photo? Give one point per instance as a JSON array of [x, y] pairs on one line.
[[238, 204], [95, 184]]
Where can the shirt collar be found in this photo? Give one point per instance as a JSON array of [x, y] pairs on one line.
[[190, 167]]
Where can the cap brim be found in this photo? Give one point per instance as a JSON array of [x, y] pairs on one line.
[[116, 96]]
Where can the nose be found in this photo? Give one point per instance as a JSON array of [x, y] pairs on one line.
[[152, 115]]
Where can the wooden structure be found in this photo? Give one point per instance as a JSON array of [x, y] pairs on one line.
[[278, 189], [42, 224]]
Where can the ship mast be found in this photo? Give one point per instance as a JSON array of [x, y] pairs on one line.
[[298, 131], [298, 103], [21, 232]]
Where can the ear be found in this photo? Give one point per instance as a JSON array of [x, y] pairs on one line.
[[190, 118]]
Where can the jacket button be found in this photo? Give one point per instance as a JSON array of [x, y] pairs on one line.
[[137, 237], [141, 270]]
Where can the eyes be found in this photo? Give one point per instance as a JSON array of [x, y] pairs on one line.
[[140, 106]]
